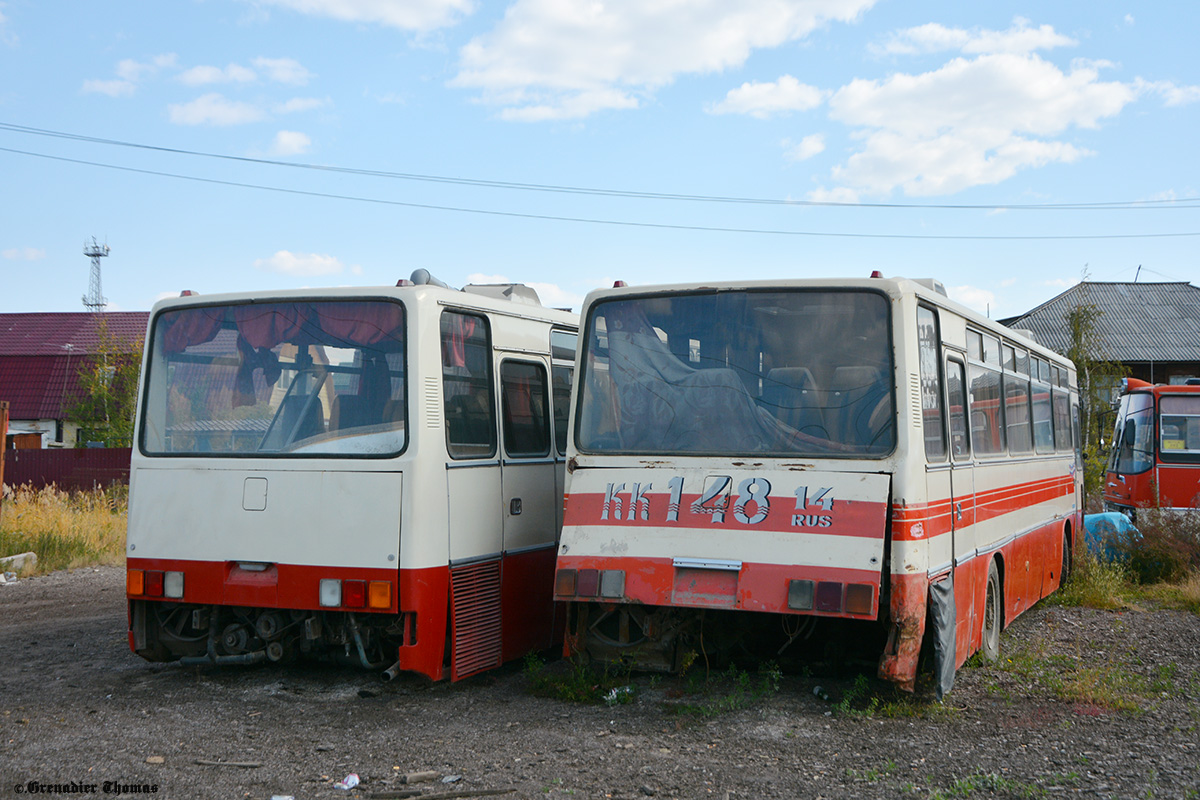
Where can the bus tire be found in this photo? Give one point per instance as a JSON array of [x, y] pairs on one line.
[[992, 616]]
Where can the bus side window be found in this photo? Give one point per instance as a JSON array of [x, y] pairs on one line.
[[467, 386], [931, 385]]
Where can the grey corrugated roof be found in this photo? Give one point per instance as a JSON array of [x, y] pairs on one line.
[[1138, 321]]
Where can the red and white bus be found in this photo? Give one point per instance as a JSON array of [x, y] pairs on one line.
[[370, 474], [1155, 460], [751, 460]]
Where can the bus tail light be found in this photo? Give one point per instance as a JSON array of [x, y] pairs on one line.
[[829, 596], [173, 585], [154, 583], [564, 583], [588, 583], [379, 594], [354, 594], [612, 583], [859, 597], [135, 582], [330, 592], [800, 595]]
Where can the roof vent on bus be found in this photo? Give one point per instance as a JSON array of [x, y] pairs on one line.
[[1028, 334], [516, 292], [422, 277], [932, 284]]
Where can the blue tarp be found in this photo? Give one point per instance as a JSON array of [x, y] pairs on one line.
[[1105, 533]]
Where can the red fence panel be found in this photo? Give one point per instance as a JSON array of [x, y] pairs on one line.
[[77, 468]]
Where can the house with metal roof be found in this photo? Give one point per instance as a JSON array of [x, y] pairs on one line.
[[40, 358], [1152, 329]]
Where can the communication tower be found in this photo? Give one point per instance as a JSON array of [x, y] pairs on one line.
[[94, 300]]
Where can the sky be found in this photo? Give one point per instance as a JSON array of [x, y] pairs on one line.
[[1007, 149]]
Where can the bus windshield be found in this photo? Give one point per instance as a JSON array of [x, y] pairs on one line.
[[796, 372], [289, 378]]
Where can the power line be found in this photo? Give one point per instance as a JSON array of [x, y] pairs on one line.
[[1190, 202], [591, 221]]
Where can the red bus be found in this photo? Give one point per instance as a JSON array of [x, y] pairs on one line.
[[1155, 460]]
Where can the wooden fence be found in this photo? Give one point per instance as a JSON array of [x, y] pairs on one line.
[[69, 469]]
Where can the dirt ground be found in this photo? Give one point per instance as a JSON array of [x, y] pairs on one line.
[[79, 710]]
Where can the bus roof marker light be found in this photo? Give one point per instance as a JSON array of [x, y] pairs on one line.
[[619, 284], [876, 273]]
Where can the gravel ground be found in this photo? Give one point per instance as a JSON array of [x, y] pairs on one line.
[[80, 710]]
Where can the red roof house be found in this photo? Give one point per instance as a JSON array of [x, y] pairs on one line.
[[40, 356]]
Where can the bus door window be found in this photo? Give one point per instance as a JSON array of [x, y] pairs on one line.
[[467, 386], [523, 399], [960, 444], [562, 374]]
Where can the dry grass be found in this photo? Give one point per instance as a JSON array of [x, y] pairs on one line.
[[65, 529]]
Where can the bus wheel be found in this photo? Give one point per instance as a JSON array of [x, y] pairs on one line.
[[992, 615]]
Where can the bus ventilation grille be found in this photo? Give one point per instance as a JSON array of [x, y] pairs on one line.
[[475, 593]]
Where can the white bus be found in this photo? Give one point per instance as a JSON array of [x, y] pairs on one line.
[[373, 474], [752, 460]]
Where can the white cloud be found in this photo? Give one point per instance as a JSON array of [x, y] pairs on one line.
[[7, 38], [1172, 95], [1129, 19], [129, 74], [23, 254], [201, 75], [112, 88], [763, 100], [972, 297], [806, 148], [213, 109], [284, 70], [933, 38], [838, 194], [1061, 283], [298, 104], [971, 122], [551, 60], [417, 15], [290, 143], [300, 264]]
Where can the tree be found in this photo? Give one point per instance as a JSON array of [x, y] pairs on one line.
[[1097, 376], [108, 379]]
